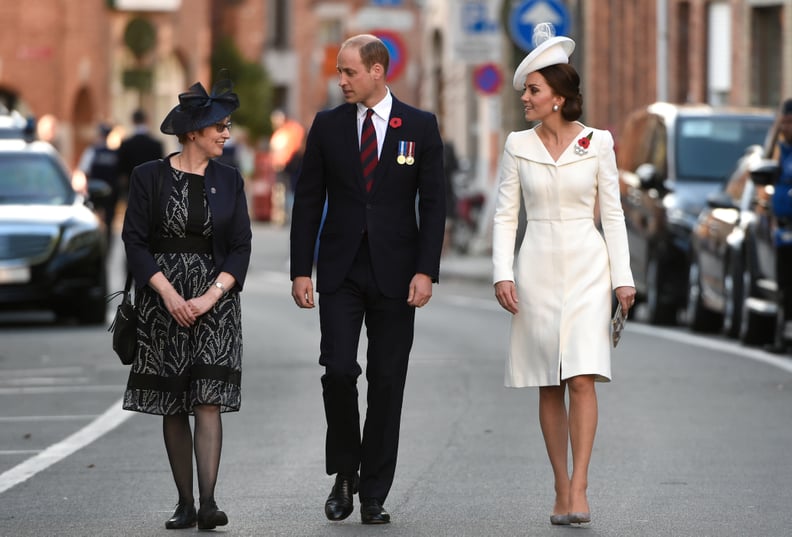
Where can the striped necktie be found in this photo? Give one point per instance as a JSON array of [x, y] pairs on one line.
[[368, 150]]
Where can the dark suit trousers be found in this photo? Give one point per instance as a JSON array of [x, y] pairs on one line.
[[389, 329]]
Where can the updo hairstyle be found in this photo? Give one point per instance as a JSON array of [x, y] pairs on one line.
[[564, 80]]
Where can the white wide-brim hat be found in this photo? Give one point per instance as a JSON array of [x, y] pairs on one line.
[[550, 52]]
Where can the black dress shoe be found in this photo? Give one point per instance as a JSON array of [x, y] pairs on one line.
[[183, 517], [209, 516], [339, 504], [372, 512]]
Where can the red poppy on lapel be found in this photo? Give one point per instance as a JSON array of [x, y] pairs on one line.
[[395, 122]]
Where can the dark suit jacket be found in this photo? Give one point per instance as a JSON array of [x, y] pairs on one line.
[[231, 233], [137, 149], [400, 247]]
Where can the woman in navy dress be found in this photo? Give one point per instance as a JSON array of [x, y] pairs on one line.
[[187, 238]]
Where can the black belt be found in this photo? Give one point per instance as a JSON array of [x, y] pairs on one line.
[[181, 245]]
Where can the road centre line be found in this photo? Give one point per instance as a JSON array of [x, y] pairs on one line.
[[46, 381], [21, 390], [44, 371], [23, 419], [109, 420]]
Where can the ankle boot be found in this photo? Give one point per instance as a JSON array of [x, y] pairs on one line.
[[209, 516], [183, 517]]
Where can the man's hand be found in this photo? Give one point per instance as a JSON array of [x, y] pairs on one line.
[[302, 292], [420, 290]]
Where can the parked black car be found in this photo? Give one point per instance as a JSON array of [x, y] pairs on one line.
[[52, 246], [718, 281], [736, 267], [670, 157]]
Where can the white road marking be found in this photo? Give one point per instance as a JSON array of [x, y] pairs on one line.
[[112, 418], [19, 451], [65, 417], [61, 389], [758, 355]]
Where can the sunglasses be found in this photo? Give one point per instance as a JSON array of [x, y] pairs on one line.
[[220, 127]]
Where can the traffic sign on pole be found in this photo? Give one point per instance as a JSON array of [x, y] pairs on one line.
[[487, 78], [527, 14]]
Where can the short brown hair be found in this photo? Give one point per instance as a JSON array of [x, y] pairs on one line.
[[565, 81], [372, 50]]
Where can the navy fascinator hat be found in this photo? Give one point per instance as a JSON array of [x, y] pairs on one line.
[[197, 109]]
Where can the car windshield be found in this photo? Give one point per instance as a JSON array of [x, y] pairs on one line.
[[33, 179], [707, 148]]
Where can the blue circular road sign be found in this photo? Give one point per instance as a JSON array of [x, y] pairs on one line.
[[488, 78], [526, 15]]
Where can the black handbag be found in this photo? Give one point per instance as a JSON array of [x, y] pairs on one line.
[[124, 325]]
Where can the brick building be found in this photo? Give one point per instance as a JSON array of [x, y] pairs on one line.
[[68, 59]]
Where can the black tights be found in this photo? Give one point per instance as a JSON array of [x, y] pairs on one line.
[[207, 445]]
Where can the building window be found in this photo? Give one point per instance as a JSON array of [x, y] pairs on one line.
[[719, 53], [766, 41], [279, 24], [682, 82]]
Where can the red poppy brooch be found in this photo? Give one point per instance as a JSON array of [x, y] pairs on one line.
[[581, 148], [395, 122]]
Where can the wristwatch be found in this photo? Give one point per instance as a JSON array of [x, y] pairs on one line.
[[220, 286]]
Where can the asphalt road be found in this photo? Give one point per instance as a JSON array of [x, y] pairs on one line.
[[693, 437]]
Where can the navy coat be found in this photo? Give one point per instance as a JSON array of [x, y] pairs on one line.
[[231, 233]]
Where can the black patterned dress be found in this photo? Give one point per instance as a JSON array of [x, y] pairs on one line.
[[177, 368]]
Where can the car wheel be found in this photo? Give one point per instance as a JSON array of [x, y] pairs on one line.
[[699, 318], [755, 329], [732, 299], [658, 312]]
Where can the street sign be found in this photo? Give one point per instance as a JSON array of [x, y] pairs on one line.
[[526, 15], [475, 31], [487, 78], [397, 51]]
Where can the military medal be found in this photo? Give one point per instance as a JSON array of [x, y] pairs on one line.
[[410, 160], [401, 158]]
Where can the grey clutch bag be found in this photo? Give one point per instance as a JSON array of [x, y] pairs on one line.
[[617, 324]]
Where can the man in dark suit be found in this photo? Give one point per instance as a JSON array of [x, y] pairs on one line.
[[138, 148], [377, 262]]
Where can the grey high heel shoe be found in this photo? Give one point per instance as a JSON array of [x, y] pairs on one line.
[[580, 518], [559, 520]]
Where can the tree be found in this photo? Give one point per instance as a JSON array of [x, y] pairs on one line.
[[251, 83]]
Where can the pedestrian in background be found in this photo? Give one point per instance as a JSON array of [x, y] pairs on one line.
[[560, 296], [782, 210], [99, 161], [138, 148], [189, 260], [369, 158], [286, 145]]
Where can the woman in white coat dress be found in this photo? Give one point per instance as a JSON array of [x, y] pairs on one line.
[[560, 290]]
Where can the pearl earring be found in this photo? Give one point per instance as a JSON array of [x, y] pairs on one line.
[[555, 108]]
